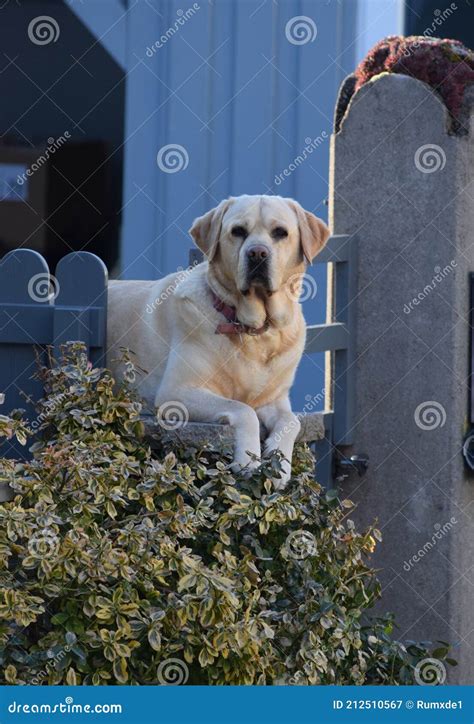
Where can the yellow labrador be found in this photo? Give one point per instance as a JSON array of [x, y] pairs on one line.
[[223, 340]]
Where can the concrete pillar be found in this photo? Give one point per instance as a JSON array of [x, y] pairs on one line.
[[404, 185]]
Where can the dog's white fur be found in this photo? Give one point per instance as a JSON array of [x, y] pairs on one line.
[[170, 325]]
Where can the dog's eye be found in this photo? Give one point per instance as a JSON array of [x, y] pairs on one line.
[[239, 231], [279, 232]]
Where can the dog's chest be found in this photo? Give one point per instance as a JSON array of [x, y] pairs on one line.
[[256, 373]]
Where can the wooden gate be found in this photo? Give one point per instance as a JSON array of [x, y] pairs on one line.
[[38, 309]]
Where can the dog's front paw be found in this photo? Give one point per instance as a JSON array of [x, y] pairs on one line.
[[245, 468], [281, 482]]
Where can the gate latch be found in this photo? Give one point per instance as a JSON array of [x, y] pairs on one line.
[[356, 463]]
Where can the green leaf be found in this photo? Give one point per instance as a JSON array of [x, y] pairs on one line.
[[154, 639], [10, 674], [71, 677], [187, 582], [21, 436], [70, 637], [119, 668], [59, 618]]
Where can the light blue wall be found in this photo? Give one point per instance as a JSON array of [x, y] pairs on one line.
[[375, 20], [241, 99]]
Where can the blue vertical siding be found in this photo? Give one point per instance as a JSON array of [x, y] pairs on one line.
[[241, 99]]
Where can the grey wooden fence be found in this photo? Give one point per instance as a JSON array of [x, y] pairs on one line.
[[336, 338], [38, 309]]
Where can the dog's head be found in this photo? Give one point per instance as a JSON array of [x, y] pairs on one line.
[[259, 242]]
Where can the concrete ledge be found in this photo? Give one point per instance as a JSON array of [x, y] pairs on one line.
[[199, 433]]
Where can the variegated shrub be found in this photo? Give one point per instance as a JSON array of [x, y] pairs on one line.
[[116, 562]]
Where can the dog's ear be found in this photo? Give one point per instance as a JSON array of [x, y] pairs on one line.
[[206, 230], [313, 231]]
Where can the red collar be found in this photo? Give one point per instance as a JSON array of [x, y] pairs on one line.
[[232, 326]]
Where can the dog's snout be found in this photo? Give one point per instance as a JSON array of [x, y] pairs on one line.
[[257, 265], [257, 252]]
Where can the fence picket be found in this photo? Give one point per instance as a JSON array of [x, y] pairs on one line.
[[81, 304], [24, 284], [38, 309]]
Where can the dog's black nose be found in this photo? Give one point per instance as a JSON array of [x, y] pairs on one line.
[[257, 252]]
